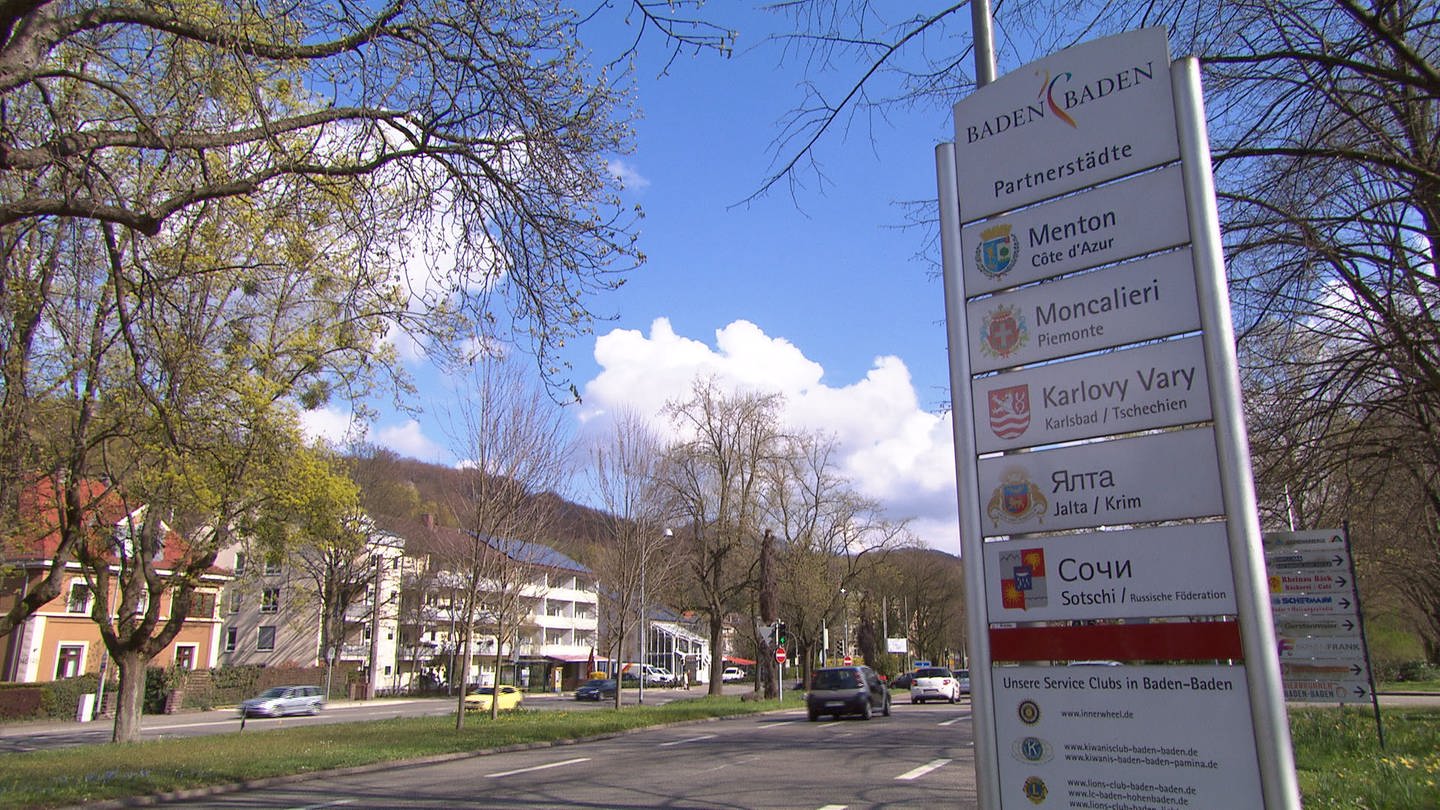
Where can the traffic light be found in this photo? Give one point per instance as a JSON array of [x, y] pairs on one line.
[[782, 637]]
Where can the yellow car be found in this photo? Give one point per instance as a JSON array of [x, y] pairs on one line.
[[479, 701]]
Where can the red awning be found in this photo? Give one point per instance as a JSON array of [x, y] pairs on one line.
[[744, 662]]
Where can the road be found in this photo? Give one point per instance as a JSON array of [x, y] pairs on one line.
[[37, 736], [921, 756]]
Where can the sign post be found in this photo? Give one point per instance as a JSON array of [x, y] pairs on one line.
[[1104, 481]]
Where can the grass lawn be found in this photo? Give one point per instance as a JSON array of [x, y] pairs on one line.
[[1339, 760], [1340, 763]]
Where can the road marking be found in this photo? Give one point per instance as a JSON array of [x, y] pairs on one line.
[[774, 725], [922, 770], [955, 720], [688, 740], [335, 803], [537, 768], [834, 807]]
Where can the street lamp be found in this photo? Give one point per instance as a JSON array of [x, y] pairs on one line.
[[845, 642]]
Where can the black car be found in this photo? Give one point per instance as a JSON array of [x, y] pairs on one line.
[[596, 689], [839, 691], [903, 681]]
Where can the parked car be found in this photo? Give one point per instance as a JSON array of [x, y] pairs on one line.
[[596, 689], [282, 700], [658, 676], [508, 696], [934, 683], [839, 691], [963, 676], [732, 674], [902, 681]]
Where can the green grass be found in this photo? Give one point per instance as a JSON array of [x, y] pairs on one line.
[[1340, 763], [1338, 758], [1409, 686], [71, 776]]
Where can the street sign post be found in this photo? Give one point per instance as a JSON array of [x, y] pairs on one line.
[[1104, 403]]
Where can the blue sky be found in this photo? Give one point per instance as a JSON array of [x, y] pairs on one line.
[[818, 296]]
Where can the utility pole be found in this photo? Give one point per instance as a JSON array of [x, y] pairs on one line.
[[769, 672]]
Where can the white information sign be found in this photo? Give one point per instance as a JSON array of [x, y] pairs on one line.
[[1129, 736], [1164, 476], [1123, 391], [1149, 298], [1091, 113], [1170, 571], [1118, 221]]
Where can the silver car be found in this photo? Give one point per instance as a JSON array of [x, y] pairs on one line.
[[282, 700]]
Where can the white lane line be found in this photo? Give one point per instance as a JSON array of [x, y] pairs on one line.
[[922, 770], [688, 740], [956, 720], [768, 726], [335, 803], [834, 807], [537, 768]]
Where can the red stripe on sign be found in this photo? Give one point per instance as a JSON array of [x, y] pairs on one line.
[[1118, 642]]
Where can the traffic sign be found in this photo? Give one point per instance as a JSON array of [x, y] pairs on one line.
[[779, 655], [849, 660]]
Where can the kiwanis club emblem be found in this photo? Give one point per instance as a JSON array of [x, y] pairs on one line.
[[1002, 332], [998, 251], [1016, 500], [1009, 411]]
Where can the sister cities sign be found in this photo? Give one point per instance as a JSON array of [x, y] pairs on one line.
[[1091, 408]]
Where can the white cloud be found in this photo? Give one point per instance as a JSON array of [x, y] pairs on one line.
[[408, 439], [628, 175], [894, 450]]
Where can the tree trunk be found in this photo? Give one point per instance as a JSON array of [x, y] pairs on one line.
[[717, 655], [129, 696]]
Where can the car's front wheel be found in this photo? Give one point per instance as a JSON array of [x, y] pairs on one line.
[[814, 715], [886, 710], [866, 711]]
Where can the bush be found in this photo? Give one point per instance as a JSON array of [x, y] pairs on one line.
[[61, 699]]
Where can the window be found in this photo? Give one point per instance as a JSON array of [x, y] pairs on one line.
[[265, 641], [272, 566], [202, 605], [232, 639], [185, 656], [69, 660], [234, 599], [270, 600], [240, 563], [79, 601]]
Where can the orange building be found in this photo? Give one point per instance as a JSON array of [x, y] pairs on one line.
[[60, 640]]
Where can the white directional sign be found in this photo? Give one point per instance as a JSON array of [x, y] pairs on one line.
[[1118, 392], [1149, 298], [1088, 114], [1114, 222], [1170, 571], [1165, 476], [1313, 600]]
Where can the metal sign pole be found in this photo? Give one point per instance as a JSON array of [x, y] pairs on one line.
[[1252, 599]]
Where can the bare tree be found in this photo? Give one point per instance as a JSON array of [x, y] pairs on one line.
[[715, 478], [625, 475], [514, 438]]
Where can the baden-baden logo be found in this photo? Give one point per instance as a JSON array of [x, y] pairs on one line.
[[1016, 500], [998, 251], [1047, 92], [1035, 790], [1032, 749], [1022, 579], [1009, 411], [1003, 332]]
